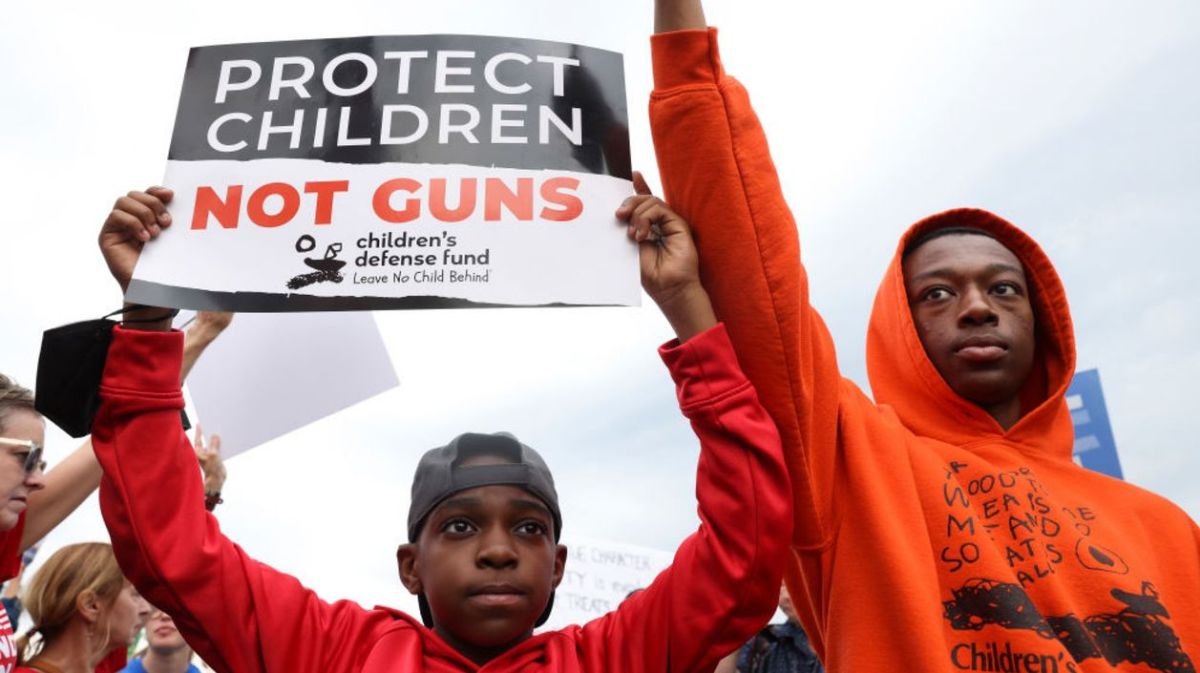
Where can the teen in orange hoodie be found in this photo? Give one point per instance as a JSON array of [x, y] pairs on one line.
[[942, 526]]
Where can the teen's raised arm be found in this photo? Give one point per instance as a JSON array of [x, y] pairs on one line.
[[717, 172]]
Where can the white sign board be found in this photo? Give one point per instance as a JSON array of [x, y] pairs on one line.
[[396, 172], [599, 575], [269, 374]]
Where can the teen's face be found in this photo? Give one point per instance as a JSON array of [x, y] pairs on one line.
[[161, 633], [15, 484], [486, 561], [970, 302], [126, 616]]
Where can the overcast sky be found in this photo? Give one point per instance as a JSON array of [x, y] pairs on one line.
[[1076, 120]]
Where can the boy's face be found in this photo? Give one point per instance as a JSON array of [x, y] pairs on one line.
[[487, 562], [970, 302]]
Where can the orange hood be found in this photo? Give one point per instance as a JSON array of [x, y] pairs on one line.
[[903, 377]]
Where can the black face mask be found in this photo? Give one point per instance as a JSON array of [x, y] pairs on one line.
[[69, 369]]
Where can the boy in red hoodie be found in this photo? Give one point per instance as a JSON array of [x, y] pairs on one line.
[[484, 523], [942, 526]]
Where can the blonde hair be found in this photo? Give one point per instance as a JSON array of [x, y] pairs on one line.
[[51, 596], [13, 396]]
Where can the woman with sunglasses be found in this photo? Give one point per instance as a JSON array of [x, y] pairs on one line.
[[23, 482]]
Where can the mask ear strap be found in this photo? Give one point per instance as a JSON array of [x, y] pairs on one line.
[[171, 313], [71, 365]]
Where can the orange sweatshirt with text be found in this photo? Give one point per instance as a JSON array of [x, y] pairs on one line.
[[927, 538]]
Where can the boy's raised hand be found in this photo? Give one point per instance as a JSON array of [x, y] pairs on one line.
[[669, 261], [136, 218]]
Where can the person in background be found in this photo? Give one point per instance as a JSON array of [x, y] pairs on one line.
[[32, 502], [166, 650], [83, 610], [778, 648], [11, 596]]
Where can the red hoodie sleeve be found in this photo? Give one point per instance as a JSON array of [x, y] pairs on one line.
[[717, 172], [240, 615], [723, 583]]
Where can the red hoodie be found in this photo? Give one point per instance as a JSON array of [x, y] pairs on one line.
[[242, 616], [927, 537]]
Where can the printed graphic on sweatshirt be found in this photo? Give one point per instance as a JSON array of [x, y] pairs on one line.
[[1010, 512], [433, 171]]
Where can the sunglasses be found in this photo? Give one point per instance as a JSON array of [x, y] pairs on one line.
[[31, 458]]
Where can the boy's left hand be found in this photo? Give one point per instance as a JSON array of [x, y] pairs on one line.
[[669, 261]]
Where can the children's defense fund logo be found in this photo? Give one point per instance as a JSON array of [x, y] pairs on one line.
[[328, 269]]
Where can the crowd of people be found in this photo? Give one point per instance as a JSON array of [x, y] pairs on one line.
[[83, 613], [940, 525]]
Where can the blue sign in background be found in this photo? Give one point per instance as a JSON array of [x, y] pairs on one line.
[[1095, 448]]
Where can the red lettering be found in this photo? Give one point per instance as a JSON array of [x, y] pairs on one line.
[[466, 200], [553, 192], [382, 201], [256, 206], [325, 190], [226, 212], [519, 203]]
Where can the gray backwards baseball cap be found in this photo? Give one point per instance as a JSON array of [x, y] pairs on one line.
[[441, 474]]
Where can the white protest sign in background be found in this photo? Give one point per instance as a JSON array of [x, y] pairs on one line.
[[269, 374], [396, 172], [599, 575]]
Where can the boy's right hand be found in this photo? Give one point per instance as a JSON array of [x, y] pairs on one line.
[[136, 218]]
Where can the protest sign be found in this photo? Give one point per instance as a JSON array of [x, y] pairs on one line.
[[1094, 447], [395, 172], [599, 575], [305, 366]]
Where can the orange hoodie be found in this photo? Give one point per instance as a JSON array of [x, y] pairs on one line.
[[927, 538]]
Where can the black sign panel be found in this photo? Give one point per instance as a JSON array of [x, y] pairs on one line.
[[437, 99]]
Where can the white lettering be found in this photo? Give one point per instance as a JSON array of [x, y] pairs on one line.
[[446, 127], [344, 130], [385, 136], [489, 73], [279, 82], [559, 63], [406, 59], [499, 123], [293, 129], [574, 133], [215, 142], [369, 80], [225, 83], [444, 70]]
